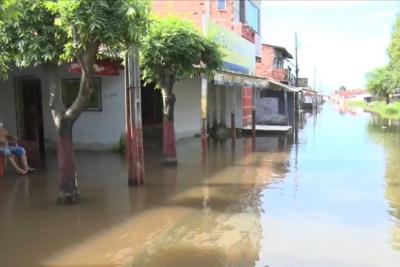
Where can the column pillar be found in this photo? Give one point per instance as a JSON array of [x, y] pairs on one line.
[[222, 105], [203, 114], [253, 112], [233, 113], [213, 106], [286, 106], [134, 139]]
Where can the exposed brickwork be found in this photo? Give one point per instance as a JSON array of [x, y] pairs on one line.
[[194, 10], [280, 74], [223, 17], [265, 67], [189, 10], [247, 105]]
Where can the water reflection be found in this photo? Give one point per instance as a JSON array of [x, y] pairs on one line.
[[328, 208], [205, 212], [318, 199], [387, 133]]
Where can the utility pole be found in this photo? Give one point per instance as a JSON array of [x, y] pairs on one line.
[[315, 71], [297, 65], [133, 109]]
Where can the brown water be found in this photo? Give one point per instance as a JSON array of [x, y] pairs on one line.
[[330, 199]]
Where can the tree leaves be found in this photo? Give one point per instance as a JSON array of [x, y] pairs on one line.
[[174, 50], [382, 81], [386, 80], [394, 46], [43, 31]]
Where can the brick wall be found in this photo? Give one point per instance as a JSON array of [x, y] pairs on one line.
[[247, 105], [189, 10], [280, 74], [223, 17], [193, 10], [265, 67]]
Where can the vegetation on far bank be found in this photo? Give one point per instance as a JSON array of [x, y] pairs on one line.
[[385, 80], [387, 111]]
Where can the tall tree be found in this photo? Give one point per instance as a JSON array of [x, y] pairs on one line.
[[383, 81], [394, 45], [59, 31], [174, 50]]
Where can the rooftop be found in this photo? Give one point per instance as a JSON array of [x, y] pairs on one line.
[[282, 49]]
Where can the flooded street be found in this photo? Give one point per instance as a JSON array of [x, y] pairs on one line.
[[330, 199]]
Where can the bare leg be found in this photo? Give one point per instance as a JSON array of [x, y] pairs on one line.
[[15, 165], [24, 161]]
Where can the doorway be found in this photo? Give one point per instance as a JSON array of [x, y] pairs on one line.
[[28, 97], [152, 105]]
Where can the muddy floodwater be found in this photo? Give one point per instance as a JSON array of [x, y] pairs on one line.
[[327, 195]]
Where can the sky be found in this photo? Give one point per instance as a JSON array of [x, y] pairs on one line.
[[341, 40]]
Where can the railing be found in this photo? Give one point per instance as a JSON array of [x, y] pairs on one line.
[[280, 74], [283, 75], [248, 33]]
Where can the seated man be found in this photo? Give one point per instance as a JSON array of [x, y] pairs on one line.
[[11, 150]]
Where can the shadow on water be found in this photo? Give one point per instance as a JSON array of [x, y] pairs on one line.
[[205, 212]]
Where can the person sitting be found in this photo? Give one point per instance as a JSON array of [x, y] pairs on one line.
[[10, 149]]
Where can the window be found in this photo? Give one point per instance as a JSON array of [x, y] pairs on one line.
[[70, 89], [278, 62], [221, 4], [252, 14]]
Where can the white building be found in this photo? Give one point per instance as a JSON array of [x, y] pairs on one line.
[[24, 108]]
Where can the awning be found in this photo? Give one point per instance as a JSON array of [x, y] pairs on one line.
[[282, 86], [308, 92], [233, 79]]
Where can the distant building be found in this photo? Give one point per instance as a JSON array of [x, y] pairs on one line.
[[342, 96]]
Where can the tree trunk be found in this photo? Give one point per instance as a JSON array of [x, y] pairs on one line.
[[68, 188], [169, 144], [64, 119], [387, 98]]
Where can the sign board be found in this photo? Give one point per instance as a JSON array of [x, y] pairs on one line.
[[303, 82], [240, 54], [102, 68]]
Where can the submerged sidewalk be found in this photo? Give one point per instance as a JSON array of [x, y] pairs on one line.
[[202, 213]]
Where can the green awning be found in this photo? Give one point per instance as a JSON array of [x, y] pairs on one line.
[[233, 79]]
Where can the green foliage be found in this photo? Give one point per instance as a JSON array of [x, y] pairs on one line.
[[391, 111], [44, 31], [394, 46], [382, 81], [386, 80], [174, 50]]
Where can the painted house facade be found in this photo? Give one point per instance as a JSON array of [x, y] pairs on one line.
[[228, 99], [24, 107]]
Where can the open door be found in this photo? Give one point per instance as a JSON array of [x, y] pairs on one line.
[[28, 97]]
